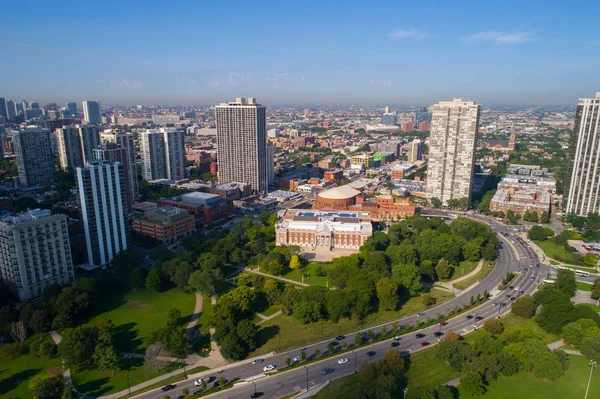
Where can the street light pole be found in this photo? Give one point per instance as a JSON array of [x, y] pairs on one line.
[[254, 383], [592, 365], [128, 386], [355, 355], [306, 368]]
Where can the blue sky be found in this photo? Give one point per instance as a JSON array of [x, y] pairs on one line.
[[202, 52]]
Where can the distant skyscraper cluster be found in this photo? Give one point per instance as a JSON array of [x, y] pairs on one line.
[[452, 149], [582, 183], [242, 143]]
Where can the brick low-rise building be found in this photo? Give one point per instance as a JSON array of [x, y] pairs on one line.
[[330, 230], [384, 207], [165, 224], [207, 209], [333, 175], [521, 201]]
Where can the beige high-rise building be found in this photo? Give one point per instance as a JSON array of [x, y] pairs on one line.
[[582, 184], [242, 143], [125, 140], [451, 149], [35, 252], [415, 150], [76, 145], [163, 154], [35, 163]]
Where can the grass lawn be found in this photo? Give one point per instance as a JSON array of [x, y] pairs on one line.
[[465, 267], [425, 371], [96, 383], [512, 323], [594, 307], [583, 286], [136, 314], [271, 310], [202, 324], [486, 269], [311, 269], [526, 386], [558, 252], [15, 373], [294, 334]]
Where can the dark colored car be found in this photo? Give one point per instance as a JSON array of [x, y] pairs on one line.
[[395, 344], [444, 323], [502, 305], [424, 343], [419, 335], [521, 292], [340, 337], [438, 333], [256, 394], [327, 370], [167, 388], [469, 316], [371, 353], [478, 318], [511, 287], [512, 298]]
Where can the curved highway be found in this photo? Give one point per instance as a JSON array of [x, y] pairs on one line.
[[514, 255]]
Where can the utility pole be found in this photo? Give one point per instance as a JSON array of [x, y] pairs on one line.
[[128, 386], [593, 364], [306, 368], [355, 355]]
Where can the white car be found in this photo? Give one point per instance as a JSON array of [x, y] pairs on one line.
[[343, 360], [270, 367], [257, 361], [198, 382], [296, 359], [516, 288]]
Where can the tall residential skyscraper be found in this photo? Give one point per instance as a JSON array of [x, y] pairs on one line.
[[3, 111], [35, 252], [125, 140], [582, 183], [76, 144], [389, 118], [91, 112], [112, 152], [104, 212], [163, 154], [33, 151], [415, 150], [451, 149], [242, 143], [72, 108], [11, 110], [69, 147]]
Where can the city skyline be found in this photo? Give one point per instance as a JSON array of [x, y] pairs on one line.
[[352, 54]]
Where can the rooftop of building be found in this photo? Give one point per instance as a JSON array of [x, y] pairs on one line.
[[33, 214], [508, 196], [165, 215], [342, 192], [230, 186], [327, 221]]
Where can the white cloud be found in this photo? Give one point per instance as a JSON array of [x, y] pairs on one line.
[[375, 82], [131, 84], [231, 79], [406, 33], [501, 37], [278, 77]]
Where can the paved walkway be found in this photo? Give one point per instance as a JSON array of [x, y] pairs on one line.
[[558, 344], [265, 318], [449, 284], [286, 280], [66, 372], [197, 311], [584, 297]]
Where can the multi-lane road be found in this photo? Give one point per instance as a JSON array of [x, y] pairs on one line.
[[514, 255]]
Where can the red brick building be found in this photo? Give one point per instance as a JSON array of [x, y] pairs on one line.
[[384, 207], [165, 224]]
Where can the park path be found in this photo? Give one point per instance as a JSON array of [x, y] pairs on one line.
[[449, 284], [286, 280], [66, 372], [197, 311], [266, 318]]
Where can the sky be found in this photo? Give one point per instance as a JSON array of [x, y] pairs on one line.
[[301, 52]]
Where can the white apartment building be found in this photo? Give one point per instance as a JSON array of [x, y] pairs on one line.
[[242, 143], [35, 252], [582, 184], [104, 210], [451, 149]]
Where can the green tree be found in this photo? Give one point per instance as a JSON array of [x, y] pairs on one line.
[[493, 326], [539, 233], [295, 262], [547, 365], [590, 260], [205, 280], [153, 282], [47, 350], [590, 348], [471, 251], [107, 359], [443, 269], [573, 334], [387, 293], [545, 218], [565, 281], [338, 304], [435, 202], [69, 393], [47, 386], [489, 252], [272, 291], [473, 384], [409, 277], [596, 289], [524, 306], [138, 277], [77, 346]]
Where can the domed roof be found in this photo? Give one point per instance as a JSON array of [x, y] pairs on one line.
[[342, 192]]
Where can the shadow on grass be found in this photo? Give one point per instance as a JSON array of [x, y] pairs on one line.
[[265, 334], [108, 302], [10, 383], [127, 339], [96, 387]]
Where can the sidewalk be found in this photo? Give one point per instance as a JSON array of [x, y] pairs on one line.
[[285, 280], [558, 344], [265, 318], [66, 372], [449, 284]]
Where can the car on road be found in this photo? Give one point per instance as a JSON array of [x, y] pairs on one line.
[[198, 382], [371, 353], [270, 367], [525, 270], [478, 318], [537, 265], [502, 304], [420, 314], [419, 335], [168, 388], [327, 370], [532, 278], [507, 296], [397, 338], [516, 288], [256, 394], [257, 361], [438, 334], [444, 323], [521, 292], [395, 344], [340, 337], [424, 343], [511, 287], [469, 316], [512, 298], [343, 360], [495, 304], [297, 359]]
